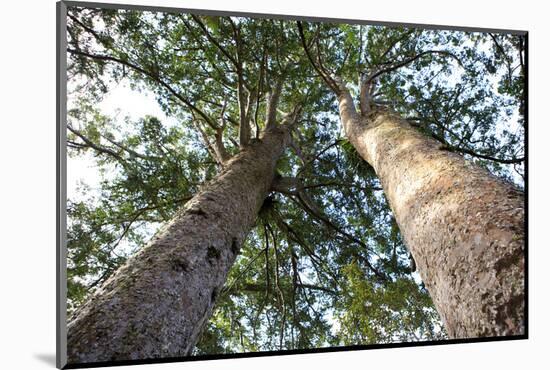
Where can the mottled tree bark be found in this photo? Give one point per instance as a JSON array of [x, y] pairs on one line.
[[463, 226], [157, 303]]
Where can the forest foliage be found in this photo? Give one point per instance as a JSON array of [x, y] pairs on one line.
[[325, 264]]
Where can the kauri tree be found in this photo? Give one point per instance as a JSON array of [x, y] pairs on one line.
[[272, 211]]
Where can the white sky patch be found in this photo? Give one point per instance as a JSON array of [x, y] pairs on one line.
[[121, 101], [81, 170]]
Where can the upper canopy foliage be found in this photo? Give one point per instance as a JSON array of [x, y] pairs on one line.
[[325, 263]]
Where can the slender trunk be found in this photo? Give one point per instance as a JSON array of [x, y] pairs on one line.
[[463, 226], [157, 303]]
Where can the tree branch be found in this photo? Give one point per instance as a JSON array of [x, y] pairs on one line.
[[272, 103], [469, 151], [395, 42], [306, 164], [344, 184], [410, 60], [246, 268], [244, 124], [488, 157], [97, 147], [149, 74], [251, 287], [348, 113], [219, 147], [259, 91], [213, 40], [130, 151], [209, 147], [293, 187], [319, 69]]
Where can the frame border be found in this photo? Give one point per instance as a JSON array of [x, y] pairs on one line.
[[61, 183], [287, 17]]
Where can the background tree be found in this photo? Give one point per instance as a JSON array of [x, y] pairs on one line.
[[324, 263]]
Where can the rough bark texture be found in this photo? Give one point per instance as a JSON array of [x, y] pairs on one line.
[[157, 303], [464, 226]]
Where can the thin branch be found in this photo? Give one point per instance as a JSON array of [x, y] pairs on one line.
[[308, 205], [130, 151], [261, 288], [295, 237], [213, 40], [149, 74], [278, 286], [245, 270], [506, 57], [219, 147], [320, 71], [96, 147], [471, 152], [209, 147], [344, 60], [395, 42], [336, 183], [336, 142], [410, 60], [86, 28], [488, 157], [244, 125], [259, 91], [296, 148]]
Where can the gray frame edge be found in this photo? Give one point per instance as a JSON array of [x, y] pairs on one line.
[[61, 185], [287, 17]]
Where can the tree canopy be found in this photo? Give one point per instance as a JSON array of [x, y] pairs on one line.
[[325, 264]]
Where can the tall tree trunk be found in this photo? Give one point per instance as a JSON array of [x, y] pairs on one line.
[[463, 226], [157, 303]]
